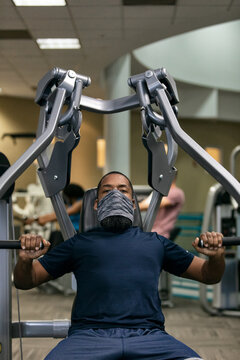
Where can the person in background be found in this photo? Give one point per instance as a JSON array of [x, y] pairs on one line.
[[168, 212], [35, 205], [72, 195]]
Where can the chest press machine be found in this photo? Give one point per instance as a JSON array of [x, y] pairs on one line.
[[56, 89]]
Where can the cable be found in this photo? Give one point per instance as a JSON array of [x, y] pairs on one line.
[[17, 294], [18, 311]]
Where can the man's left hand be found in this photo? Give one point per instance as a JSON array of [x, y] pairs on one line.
[[212, 244]]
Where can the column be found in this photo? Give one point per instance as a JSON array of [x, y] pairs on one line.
[[117, 126]]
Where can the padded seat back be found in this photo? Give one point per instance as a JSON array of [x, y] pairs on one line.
[[88, 219]]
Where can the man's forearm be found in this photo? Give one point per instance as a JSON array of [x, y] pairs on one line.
[[24, 274], [213, 269]]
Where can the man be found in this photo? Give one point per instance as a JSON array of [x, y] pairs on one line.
[[117, 312], [73, 194], [168, 211]]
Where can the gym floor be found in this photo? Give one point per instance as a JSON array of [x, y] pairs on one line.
[[214, 338]]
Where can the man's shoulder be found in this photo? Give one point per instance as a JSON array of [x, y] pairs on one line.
[[92, 232]]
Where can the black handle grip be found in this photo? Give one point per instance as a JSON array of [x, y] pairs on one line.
[[227, 241], [13, 244]]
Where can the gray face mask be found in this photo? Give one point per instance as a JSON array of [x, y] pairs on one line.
[[115, 203]]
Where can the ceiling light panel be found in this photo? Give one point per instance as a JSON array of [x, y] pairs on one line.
[[72, 43], [39, 2]]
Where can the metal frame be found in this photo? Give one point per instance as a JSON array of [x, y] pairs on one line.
[[59, 87], [211, 217]]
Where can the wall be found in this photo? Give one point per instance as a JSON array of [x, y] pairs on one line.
[[21, 115], [84, 159], [18, 116], [194, 180]]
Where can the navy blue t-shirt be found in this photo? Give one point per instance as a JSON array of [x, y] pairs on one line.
[[117, 276]]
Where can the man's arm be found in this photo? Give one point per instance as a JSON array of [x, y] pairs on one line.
[[71, 210], [207, 271], [28, 272]]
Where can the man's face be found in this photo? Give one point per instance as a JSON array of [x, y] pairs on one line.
[[115, 222], [115, 182]]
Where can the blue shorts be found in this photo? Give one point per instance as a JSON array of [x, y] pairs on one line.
[[119, 344]]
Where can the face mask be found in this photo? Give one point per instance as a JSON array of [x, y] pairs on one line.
[[115, 203]]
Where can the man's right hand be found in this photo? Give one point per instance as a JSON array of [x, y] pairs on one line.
[[30, 244]]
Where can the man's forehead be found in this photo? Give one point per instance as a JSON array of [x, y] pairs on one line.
[[113, 179]]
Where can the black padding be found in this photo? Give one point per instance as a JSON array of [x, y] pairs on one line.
[[89, 219]]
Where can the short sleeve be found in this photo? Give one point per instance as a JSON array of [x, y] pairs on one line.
[[176, 196], [59, 260], [176, 259]]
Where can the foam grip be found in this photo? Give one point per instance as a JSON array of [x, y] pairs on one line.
[[13, 244], [227, 241]]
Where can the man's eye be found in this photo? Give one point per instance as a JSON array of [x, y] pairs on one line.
[[124, 191]]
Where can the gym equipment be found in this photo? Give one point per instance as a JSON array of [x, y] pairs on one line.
[[56, 89], [222, 213], [227, 241], [13, 244]]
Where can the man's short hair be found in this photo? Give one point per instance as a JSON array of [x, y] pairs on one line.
[[113, 172]]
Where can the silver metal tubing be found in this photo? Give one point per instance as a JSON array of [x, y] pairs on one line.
[[233, 156], [195, 150], [152, 211], [5, 286], [109, 106], [64, 221], [33, 329], [207, 216], [12, 173], [209, 206]]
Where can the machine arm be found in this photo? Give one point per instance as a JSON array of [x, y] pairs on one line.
[[195, 150]]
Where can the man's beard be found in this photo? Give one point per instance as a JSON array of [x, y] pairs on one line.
[[116, 223]]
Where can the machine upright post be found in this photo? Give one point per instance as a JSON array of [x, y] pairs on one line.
[[5, 287]]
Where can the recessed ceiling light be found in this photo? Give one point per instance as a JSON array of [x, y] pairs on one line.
[[39, 2], [58, 43]]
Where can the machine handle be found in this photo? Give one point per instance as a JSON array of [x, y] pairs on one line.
[[227, 241], [14, 244]]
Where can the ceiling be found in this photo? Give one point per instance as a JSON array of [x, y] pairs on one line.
[[106, 29]]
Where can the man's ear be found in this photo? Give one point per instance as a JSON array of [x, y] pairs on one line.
[[134, 204], [95, 204]]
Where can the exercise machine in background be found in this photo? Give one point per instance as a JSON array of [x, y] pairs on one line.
[[56, 89], [222, 213]]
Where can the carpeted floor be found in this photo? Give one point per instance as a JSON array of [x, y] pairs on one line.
[[214, 338]]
